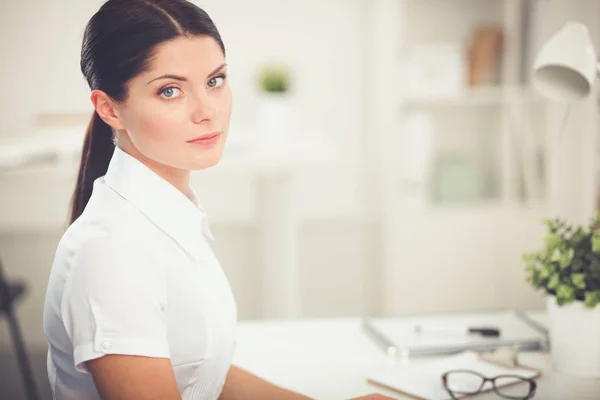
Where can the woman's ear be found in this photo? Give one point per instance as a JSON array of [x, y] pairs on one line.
[[106, 109]]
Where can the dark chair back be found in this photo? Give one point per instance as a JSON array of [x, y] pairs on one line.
[[9, 293]]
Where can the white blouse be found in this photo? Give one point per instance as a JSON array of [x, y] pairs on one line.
[[135, 275]]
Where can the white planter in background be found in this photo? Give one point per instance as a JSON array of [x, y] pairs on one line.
[[274, 118], [575, 338]]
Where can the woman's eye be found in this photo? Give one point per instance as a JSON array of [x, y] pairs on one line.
[[170, 92], [216, 81]]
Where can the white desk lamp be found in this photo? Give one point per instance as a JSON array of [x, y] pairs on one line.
[[567, 65], [566, 69]]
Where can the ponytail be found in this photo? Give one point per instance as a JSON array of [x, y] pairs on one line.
[[98, 148]]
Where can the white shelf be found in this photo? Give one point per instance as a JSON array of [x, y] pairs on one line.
[[478, 96], [271, 157]]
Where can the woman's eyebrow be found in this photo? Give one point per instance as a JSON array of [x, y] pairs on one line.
[[168, 76], [182, 78], [217, 70]]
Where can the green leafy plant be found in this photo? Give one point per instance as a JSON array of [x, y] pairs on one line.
[[275, 79], [568, 264]]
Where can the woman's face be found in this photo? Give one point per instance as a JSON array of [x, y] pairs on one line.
[[177, 112]]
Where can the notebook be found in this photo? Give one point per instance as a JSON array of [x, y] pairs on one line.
[[447, 334], [423, 380]]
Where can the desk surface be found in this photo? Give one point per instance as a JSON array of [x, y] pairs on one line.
[[331, 358]]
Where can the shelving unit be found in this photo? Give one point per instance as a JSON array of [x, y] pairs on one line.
[[488, 134], [478, 96], [462, 253], [480, 123]]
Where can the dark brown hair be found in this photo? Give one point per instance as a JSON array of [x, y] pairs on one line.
[[118, 42]]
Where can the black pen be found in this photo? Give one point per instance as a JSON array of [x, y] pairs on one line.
[[484, 331]]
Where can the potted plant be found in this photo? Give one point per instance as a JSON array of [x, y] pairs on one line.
[[567, 269], [274, 83], [275, 80]]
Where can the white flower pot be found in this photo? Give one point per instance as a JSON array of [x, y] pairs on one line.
[[574, 338], [274, 118]]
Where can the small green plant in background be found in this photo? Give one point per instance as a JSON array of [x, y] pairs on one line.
[[275, 79], [568, 264]]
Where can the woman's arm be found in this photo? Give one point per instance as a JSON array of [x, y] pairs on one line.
[[120, 377], [242, 385]]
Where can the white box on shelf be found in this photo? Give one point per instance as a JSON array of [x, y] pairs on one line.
[[433, 71]]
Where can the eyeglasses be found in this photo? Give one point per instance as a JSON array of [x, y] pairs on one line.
[[460, 383]]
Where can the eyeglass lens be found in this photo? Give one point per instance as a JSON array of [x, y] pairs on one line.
[[512, 387], [463, 382]]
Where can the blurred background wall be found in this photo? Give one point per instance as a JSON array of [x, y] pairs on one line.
[[418, 203]]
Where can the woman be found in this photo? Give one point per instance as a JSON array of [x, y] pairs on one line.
[[137, 306]]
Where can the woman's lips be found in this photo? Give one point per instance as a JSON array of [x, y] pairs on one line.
[[206, 140]]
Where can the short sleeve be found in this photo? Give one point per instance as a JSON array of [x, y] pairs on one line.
[[115, 301]]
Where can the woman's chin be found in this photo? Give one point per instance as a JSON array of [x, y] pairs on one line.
[[209, 159]]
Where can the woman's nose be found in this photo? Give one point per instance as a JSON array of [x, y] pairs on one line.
[[204, 109]]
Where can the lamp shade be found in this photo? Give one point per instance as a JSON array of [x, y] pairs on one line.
[[566, 66]]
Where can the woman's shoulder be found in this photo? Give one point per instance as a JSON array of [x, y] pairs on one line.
[[109, 243], [100, 258]]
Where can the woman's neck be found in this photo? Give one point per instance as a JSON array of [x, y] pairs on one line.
[[179, 178]]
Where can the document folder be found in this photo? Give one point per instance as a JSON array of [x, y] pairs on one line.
[[448, 334]]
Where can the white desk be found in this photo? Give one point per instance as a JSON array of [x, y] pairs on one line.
[[330, 359]]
